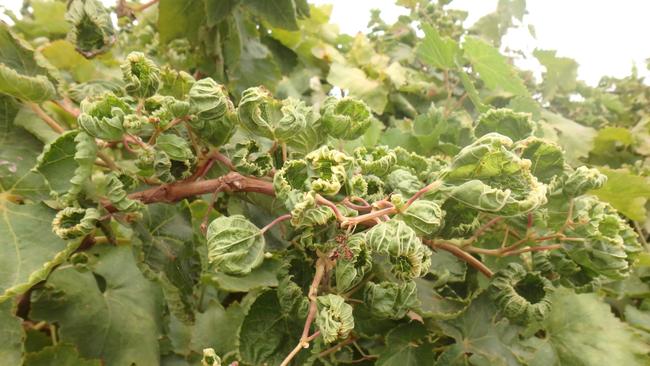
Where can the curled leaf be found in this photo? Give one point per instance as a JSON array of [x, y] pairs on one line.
[[583, 179], [259, 112], [408, 256], [355, 260], [235, 245], [488, 176], [521, 296], [334, 318], [248, 159], [423, 216], [377, 161], [547, 158], [141, 75], [92, 30], [507, 122], [403, 182], [210, 358], [85, 157], [116, 194], [345, 118], [103, 117], [390, 299], [74, 222]]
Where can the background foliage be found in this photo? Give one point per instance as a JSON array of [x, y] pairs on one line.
[[213, 181]]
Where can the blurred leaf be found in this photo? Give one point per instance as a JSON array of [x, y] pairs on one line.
[[627, 192], [11, 332], [493, 68], [59, 355], [355, 80], [437, 51], [560, 74]]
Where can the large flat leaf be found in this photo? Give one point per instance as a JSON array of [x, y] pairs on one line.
[[406, 346], [110, 312], [267, 336], [481, 339], [17, 158], [20, 74], [492, 67], [582, 330], [11, 332], [180, 19], [279, 13], [28, 248], [168, 255], [560, 74], [576, 140], [59, 355]]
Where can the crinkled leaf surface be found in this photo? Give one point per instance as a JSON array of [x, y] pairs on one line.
[[110, 312], [263, 276]]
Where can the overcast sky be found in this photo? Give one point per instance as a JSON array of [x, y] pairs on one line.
[[606, 37]]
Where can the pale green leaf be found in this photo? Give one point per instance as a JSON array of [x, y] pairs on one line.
[[566, 131], [406, 345], [437, 51], [263, 276], [493, 68], [583, 331], [180, 19], [627, 192], [560, 74], [20, 73]]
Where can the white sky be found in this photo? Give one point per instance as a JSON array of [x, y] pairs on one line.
[[606, 37]]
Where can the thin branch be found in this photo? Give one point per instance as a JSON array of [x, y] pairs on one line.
[[433, 186], [325, 202], [108, 160], [298, 348], [535, 249], [275, 222], [46, 118], [458, 252], [338, 346]]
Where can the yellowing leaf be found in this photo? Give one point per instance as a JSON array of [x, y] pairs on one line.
[[627, 192]]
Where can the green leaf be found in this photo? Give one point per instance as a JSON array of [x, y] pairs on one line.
[[566, 131], [46, 20], [480, 338], [627, 192], [436, 51], [168, 255], [355, 80], [279, 13], [560, 74], [180, 19], [21, 75], [218, 10], [56, 163], [28, 247], [267, 335], [582, 330], [17, 158], [235, 245], [62, 55], [110, 312], [92, 29], [12, 334], [406, 345], [60, 355], [263, 276], [494, 69]]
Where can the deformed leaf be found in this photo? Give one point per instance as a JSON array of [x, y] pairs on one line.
[[235, 245], [92, 29]]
